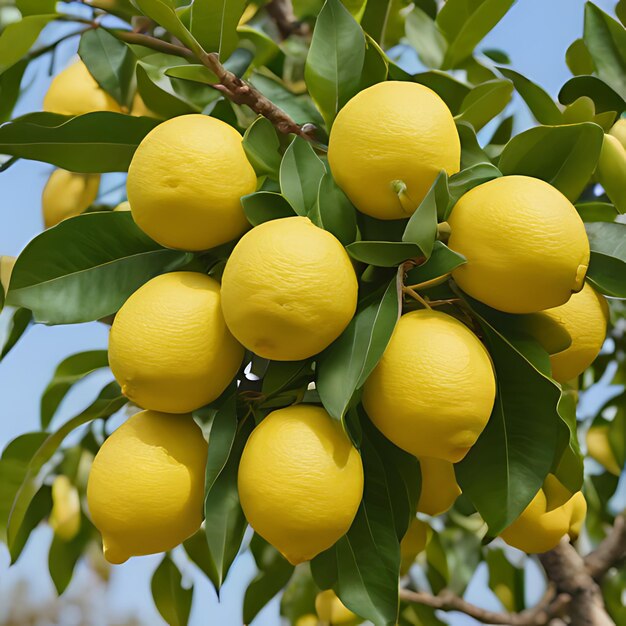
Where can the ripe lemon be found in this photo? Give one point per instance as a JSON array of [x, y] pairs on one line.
[[146, 485], [67, 194], [169, 347], [186, 180], [611, 171], [7, 263], [545, 520], [578, 511], [300, 481], [585, 317], [619, 131], [433, 390], [439, 486], [288, 289], [74, 91], [392, 131], [65, 515], [413, 542], [331, 610], [599, 448], [525, 245]]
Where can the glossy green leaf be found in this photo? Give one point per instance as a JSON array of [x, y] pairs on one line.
[[460, 183], [375, 17], [471, 152], [157, 99], [171, 599], [485, 101], [425, 37], [441, 263], [383, 253], [345, 365], [335, 59], [36, 7], [10, 82], [506, 581], [578, 58], [110, 62], [300, 173], [18, 323], [63, 556], [38, 509], [596, 211], [334, 212], [375, 64], [262, 145], [193, 72], [603, 95], [567, 464], [214, 24], [85, 267], [539, 102], [464, 23], [71, 370], [17, 38], [96, 142], [507, 465], [451, 90], [607, 269], [564, 156], [263, 206]]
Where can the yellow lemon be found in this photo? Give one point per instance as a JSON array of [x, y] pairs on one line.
[[307, 620], [619, 131], [300, 481], [65, 515], [599, 448], [6, 269], [578, 512], [525, 245], [390, 132], [67, 194], [288, 289], [331, 610], [585, 317], [546, 520], [74, 91], [169, 347], [439, 486], [433, 390], [413, 542], [123, 206], [611, 171], [146, 485], [186, 180]]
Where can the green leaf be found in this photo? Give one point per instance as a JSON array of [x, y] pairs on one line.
[[464, 23], [345, 365], [262, 145], [335, 59], [158, 99], [34, 457], [425, 37], [17, 325], [541, 105], [96, 142], [461, 182], [214, 24], [451, 90], [375, 64], [506, 581], [298, 598], [38, 509], [274, 574], [421, 228], [334, 212], [70, 371], [437, 570], [85, 267], [10, 82], [300, 173], [170, 598], [607, 269], [471, 152], [620, 11], [36, 7], [485, 101], [596, 211], [383, 253], [567, 465], [375, 18], [503, 132], [63, 555], [194, 73], [441, 263], [564, 156], [498, 56], [578, 58], [110, 62], [263, 206], [17, 38], [604, 96], [605, 39], [507, 465]]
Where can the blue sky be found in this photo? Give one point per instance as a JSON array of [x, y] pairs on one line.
[[536, 34]]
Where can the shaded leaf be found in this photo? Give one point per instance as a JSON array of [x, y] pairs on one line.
[[17, 325], [63, 555], [451, 90], [170, 598], [607, 268], [460, 183], [262, 147], [506, 581], [10, 82], [471, 152], [334, 212], [596, 211], [603, 95], [39, 508], [383, 253], [440, 264], [263, 206], [425, 37], [214, 24]]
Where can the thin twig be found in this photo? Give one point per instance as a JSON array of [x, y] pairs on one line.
[[281, 12], [610, 553], [416, 296]]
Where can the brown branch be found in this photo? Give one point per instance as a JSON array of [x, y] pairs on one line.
[[281, 12], [610, 552], [153, 43]]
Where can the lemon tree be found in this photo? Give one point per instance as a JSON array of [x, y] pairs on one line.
[[357, 315]]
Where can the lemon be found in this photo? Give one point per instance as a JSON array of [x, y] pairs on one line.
[[585, 317], [413, 542], [74, 91], [169, 347], [308, 619], [7, 263], [599, 448], [300, 481], [331, 610], [525, 245], [433, 390], [65, 514], [611, 171], [619, 131], [123, 206], [67, 194], [439, 486], [393, 131], [288, 289], [546, 520], [186, 180], [146, 485], [578, 512]]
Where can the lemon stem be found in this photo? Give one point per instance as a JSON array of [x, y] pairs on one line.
[[416, 296], [443, 231], [399, 187]]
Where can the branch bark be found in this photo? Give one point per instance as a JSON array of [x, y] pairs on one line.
[[610, 553], [281, 11]]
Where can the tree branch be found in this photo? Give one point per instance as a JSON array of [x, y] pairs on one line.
[[281, 11], [610, 552]]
